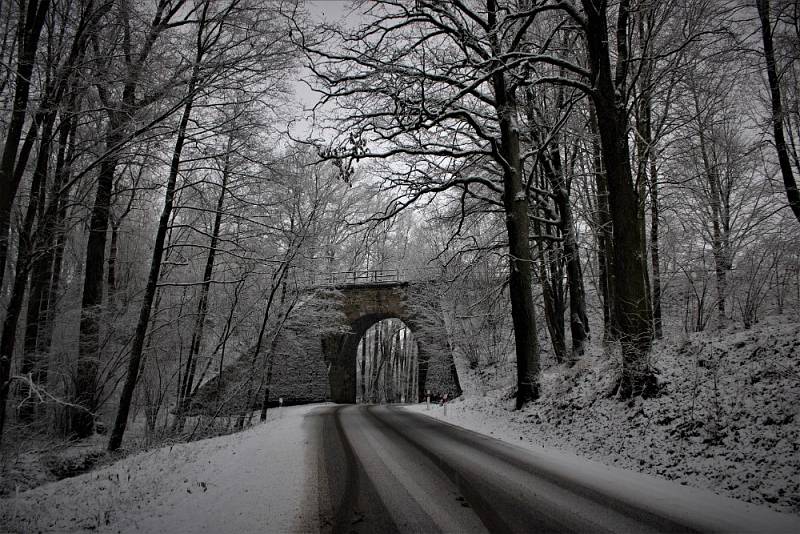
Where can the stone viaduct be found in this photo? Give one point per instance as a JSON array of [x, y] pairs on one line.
[[363, 305], [325, 368]]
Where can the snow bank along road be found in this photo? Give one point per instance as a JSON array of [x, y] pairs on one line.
[[248, 482], [383, 469], [377, 469]]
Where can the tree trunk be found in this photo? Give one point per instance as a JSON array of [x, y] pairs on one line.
[[718, 236], [202, 306], [37, 254], [42, 267], [605, 245], [86, 379], [422, 372], [120, 115], [273, 347], [375, 361], [789, 183], [12, 163], [28, 32], [654, 250], [111, 281], [632, 321], [45, 336], [155, 268], [553, 304], [647, 161], [24, 253], [515, 205], [277, 283], [579, 321], [413, 392], [520, 288]]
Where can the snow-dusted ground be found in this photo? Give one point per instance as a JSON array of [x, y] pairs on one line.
[[728, 420], [253, 481]]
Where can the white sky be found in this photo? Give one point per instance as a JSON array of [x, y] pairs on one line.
[[328, 10], [321, 11]]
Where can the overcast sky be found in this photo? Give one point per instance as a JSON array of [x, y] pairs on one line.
[[328, 10], [320, 11]]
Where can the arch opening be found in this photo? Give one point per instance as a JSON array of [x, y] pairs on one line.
[[387, 363]]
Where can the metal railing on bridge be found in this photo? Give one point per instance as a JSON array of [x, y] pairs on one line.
[[361, 276], [369, 276]]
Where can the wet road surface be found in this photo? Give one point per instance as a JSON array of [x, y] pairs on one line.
[[382, 469]]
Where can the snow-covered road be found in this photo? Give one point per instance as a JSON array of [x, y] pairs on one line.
[[340, 468], [384, 469]]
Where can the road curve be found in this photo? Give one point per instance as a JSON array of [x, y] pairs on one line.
[[382, 469]]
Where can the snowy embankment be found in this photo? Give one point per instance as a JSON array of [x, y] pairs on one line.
[[252, 481], [728, 419]]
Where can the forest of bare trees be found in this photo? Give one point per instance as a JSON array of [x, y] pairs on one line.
[[635, 140], [575, 172]]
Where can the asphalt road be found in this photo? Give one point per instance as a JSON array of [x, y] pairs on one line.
[[382, 469]]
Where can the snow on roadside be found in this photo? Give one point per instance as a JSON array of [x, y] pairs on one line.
[[251, 481], [728, 420]]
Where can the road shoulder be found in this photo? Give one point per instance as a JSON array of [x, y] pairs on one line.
[[251, 481]]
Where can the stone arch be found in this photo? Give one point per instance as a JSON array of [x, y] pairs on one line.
[[363, 305], [326, 368]]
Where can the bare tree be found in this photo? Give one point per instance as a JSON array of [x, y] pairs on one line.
[[30, 21], [789, 182], [450, 118]]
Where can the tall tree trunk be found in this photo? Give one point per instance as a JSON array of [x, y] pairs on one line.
[[396, 367], [24, 253], [646, 161], [578, 318], [32, 17], [423, 358], [45, 336], [14, 159], [86, 373], [120, 115], [553, 304], [135, 357], [789, 183], [515, 204], [42, 265], [202, 305], [273, 347], [553, 255], [718, 237], [111, 281], [413, 392], [375, 361], [277, 283], [654, 248], [579, 321], [632, 321], [40, 256], [605, 245]]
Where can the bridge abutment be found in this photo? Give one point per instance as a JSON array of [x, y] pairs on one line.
[[325, 367]]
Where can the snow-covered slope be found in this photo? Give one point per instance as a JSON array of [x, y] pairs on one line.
[[728, 419], [252, 481]]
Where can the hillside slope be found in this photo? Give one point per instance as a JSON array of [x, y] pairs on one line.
[[727, 418]]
